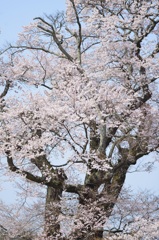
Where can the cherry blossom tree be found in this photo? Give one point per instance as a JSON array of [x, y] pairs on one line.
[[20, 225], [80, 94]]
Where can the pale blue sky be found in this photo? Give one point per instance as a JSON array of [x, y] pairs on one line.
[[16, 13]]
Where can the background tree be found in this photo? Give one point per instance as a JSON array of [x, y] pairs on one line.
[[95, 70]]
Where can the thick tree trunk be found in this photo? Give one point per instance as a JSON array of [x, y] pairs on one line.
[[52, 212], [99, 234]]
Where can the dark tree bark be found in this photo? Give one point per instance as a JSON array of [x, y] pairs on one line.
[[52, 211]]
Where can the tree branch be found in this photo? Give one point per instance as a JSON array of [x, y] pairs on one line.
[[53, 34], [79, 38], [28, 175], [6, 89]]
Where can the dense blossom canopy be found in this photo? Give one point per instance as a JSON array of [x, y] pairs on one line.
[[80, 92]]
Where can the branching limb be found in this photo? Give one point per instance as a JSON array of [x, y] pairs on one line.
[[52, 32], [6, 89], [79, 38], [27, 174]]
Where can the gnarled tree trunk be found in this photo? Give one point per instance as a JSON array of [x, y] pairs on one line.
[[52, 212]]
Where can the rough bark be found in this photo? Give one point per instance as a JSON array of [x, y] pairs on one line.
[[52, 211]]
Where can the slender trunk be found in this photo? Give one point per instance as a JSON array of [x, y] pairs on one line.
[[52, 212]]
